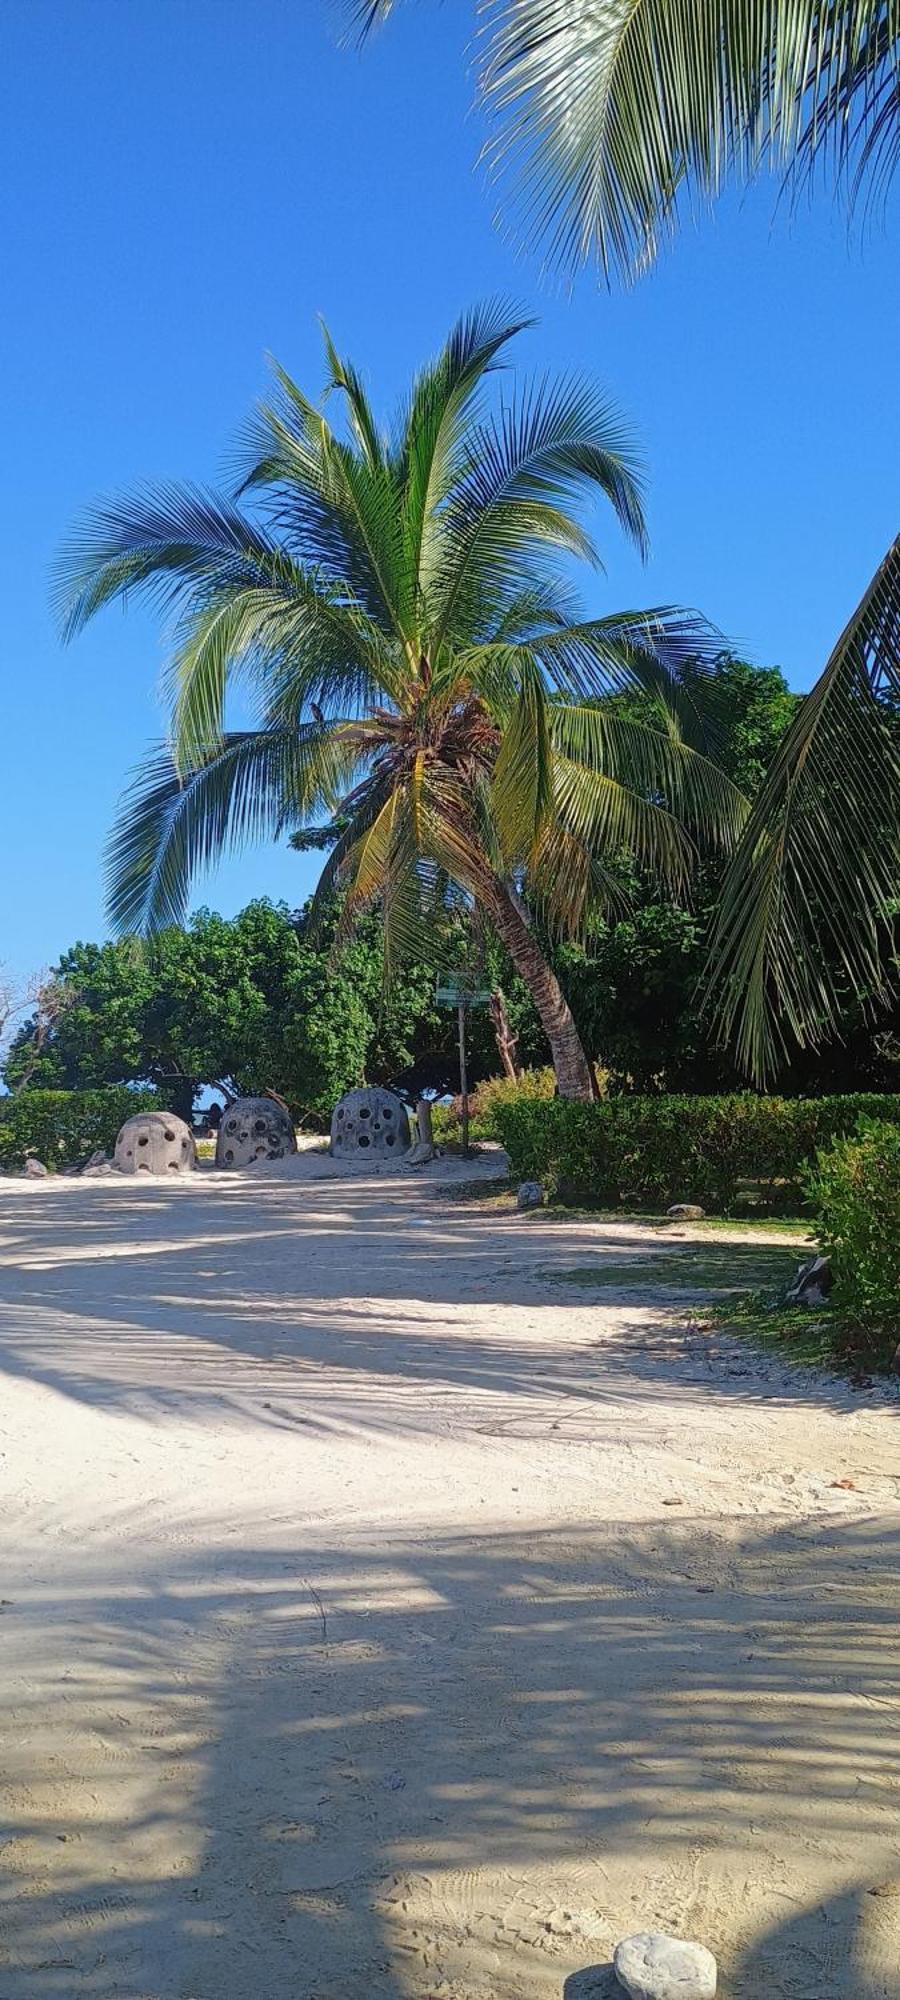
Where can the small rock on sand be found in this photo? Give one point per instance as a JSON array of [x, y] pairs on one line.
[[652, 1966], [685, 1211]]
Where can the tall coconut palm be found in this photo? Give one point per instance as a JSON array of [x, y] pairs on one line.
[[395, 607], [611, 113]]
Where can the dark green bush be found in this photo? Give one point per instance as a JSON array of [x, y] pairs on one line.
[[647, 1152], [63, 1127], [854, 1189]]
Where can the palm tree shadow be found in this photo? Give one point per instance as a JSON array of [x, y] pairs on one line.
[[843, 1947]]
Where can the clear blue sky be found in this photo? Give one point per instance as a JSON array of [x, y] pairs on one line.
[[186, 184]]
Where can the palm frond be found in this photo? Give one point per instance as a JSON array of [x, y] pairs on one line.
[[552, 448], [174, 542], [336, 507], [431, 438], [173, 825], [612, 111], [522, 789], [813, 886], [657, 764]]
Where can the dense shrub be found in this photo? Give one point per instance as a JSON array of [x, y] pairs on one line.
[[63, 1127], [650, 1151], [533, 1086], [854, 1188]]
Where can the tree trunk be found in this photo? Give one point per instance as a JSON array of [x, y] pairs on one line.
[[573, 1071], [506, 1041]]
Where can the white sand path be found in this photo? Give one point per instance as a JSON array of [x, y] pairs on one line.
[[349, 1648]]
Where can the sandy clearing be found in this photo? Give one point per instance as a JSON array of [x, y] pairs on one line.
[[350, 1648]]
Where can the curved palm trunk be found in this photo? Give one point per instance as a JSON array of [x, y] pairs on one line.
[[573, 1071]]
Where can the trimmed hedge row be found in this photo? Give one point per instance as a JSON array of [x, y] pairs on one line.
[[63, 1127], [854, 1189], [652, 1151]]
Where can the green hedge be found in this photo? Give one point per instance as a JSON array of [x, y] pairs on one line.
[[63, 1127], [652, 1151], [854, 1189]]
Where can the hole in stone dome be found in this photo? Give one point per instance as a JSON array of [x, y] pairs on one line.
[[364, 1111], [173, 1169], [143, 1140], [386, 1111], [170, 1135], [143, 1167], [340, 1111], [389, 1139], [260, 1127], [229, 1156], [231, 1125], [364, 1138]]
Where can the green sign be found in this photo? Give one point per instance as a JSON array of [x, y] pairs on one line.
[[454, 994]]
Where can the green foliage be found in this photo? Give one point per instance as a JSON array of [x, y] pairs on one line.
[[63, 1127], [646, 1151], [854, 1189], [250, 1003], [533, 1086]]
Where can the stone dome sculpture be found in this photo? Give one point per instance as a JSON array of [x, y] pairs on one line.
[[254, 1128], [370, 1125], [155, 1142]]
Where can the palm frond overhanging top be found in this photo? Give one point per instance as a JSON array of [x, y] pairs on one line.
[[611, 112]]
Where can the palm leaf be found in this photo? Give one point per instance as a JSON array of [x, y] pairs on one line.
[[603, 162], [809, 897], [173, 825]]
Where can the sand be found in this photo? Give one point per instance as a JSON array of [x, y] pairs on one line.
[[351, 1647]]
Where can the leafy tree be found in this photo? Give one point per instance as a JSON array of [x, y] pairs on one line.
[[399, 611], [247, 1004]]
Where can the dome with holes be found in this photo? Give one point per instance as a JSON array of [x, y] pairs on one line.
[[254, 1128], [155, 1142], [370, 1124]]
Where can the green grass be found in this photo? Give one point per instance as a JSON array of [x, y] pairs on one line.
[[810, 1336], [697, 1268]]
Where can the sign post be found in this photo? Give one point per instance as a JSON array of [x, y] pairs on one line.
[[455, 993]]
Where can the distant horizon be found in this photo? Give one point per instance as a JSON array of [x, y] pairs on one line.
[[150, 267]]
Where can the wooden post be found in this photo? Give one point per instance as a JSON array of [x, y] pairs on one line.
[[463, 1079]]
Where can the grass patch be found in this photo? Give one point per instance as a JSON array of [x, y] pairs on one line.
[[697, 1268], [796, 1227], [808, 1336]]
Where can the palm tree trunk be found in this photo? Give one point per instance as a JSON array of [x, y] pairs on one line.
[[573, 1071]]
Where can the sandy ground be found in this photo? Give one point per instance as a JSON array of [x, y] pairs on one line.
[[350, 1648]]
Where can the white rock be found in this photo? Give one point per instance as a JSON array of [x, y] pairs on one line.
[[530, 1195], [35, 1169], [652, 1966], [686, 1211]]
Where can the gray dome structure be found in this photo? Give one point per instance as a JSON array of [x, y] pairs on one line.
[[370, 1125], [155, 1142], [254, 1128]]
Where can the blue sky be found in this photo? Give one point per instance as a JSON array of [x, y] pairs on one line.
[[186, 184]]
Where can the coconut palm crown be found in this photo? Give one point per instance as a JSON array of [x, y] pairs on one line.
[[397, 609]]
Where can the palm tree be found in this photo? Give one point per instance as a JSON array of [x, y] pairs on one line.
[[611, 113], [396, 609]]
